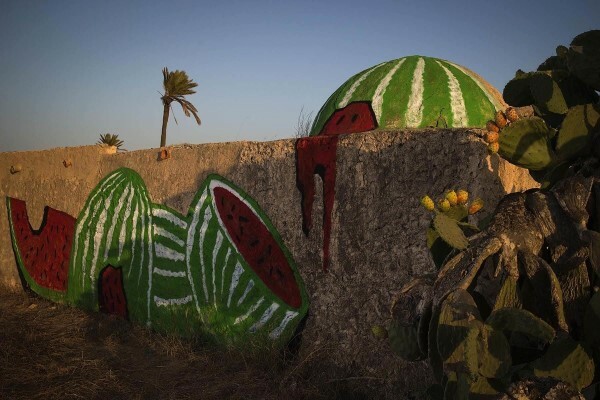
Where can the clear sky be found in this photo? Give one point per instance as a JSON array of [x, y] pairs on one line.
[[71, 70]]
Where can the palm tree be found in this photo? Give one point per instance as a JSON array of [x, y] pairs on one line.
[[176, 85]]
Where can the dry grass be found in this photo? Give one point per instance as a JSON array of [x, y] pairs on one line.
[[50, 351]]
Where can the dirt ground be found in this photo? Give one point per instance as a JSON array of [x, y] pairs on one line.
[[51, 351]]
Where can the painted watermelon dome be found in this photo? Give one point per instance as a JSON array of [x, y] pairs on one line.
[[409, 92]]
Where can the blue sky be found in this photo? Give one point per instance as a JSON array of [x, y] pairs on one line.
[[71, 70]]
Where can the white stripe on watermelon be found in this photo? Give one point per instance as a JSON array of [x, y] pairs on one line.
[[190, 244], [134, 233], [169, 273], [497, 105], [143, 233], [169, 216], [414, 114], [289, 316], [168, 235], [159, 301], [235, 278], [148, 209], [116, 220], [249, 287], [250, 311], [457, 103], [201, 239], [355, 85], [223, 270], [216, 248], [264, 318], [380, 91], [168, 253], [126, 218]]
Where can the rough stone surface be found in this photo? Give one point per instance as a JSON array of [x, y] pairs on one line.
[[378, 237]]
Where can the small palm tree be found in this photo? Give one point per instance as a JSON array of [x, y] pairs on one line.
[[110, 140], [177, 85]]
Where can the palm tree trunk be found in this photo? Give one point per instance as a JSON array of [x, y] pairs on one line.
[[163, 136]]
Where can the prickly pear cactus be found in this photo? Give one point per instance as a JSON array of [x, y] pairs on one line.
[[515, 307], [563, 95], [450, 226]]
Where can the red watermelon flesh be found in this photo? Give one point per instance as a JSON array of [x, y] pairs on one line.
[[257, 246], [45, 252], [317, 155], [355, 117], [111, 294]]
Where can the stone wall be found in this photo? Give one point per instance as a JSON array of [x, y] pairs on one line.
[[378, 230]]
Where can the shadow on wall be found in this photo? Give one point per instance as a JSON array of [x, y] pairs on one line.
[[221, 270]]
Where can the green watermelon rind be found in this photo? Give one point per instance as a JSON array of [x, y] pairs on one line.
[[51, 294], [480, 99], [83, 287], [182, 319]]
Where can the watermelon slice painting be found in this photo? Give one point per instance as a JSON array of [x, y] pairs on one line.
[[42, 255], [248, 281], [220, 270]]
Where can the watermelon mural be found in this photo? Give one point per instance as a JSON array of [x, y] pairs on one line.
[[409, 92], [220, 270], [42, 254]]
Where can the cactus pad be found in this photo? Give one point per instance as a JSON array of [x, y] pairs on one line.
[[522, 321], [458, 315], [526, 143], [450, 232], [487, 352], [574, 136], [568, 361], [583, 58]]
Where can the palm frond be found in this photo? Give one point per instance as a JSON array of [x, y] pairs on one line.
[[188, 108]]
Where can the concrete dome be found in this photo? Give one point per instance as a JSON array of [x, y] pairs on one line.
[[409, 92]]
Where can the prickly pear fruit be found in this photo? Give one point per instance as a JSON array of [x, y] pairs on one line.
[[492, 137], [475, 206], [501, 119], [511, 114], [494, 147], [492, 127], [462, 196], [427, 203], [452, 197], [444, 204]]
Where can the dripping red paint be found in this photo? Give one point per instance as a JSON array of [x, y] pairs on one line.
[[318, 155]]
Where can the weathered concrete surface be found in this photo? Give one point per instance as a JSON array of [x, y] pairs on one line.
[[378, 238]]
